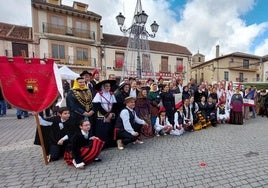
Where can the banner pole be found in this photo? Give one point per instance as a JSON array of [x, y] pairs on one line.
[[39, 130]]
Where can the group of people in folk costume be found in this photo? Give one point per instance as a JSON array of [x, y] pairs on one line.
[[101, 114]]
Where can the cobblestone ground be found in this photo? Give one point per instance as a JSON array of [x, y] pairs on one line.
[[233, 156]]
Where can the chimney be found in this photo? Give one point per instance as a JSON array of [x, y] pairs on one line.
[[217, 51], [80, 6]]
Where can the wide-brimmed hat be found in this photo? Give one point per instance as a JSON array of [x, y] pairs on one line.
[[85, 72], [127, 99], [98, 85]]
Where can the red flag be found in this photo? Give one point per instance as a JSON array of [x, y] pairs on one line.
[[28, 84]]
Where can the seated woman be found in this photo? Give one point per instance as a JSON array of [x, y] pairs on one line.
[[162, 125], [84, 148]]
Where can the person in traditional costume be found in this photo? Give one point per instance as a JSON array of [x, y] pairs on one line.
[[199, 93], [95, 79], [154, 98], [79, 101], [133, 90], [168, 102], [88, 77], [84, 147], [202, 105], [103, 106], [263, 103], [160, 83], [188, 116], [211, 112], [186, 93], [120, 95], [236, 105], [128, 125], [179, 120], [194, 108], [223, 114], [57, 132], [143, 111], [162, 126]]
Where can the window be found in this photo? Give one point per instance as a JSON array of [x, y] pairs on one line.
[[226, 75], [245, 64], [146, 63], [241, 77], [81, 27], [164, 64], [82, 54], [119, 60], [20, 49], [58, 51], [179, 65], [57, 22], [257, 77]]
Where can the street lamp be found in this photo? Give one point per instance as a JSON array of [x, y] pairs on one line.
[[137, 32]]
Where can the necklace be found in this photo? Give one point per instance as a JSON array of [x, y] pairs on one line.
[[84, 97]]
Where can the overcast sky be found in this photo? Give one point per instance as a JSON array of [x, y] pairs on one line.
[[199, 25]]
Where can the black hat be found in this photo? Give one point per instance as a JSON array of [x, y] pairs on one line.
[[97, 87], [85, 72]]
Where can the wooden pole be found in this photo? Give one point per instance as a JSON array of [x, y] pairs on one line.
[[39, 130]]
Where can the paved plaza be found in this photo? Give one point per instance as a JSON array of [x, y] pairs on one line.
[[226, 156]]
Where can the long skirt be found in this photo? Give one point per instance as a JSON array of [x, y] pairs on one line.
[[88, 154], [104, 131], [236, 118]]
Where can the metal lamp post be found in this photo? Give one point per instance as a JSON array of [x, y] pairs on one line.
[[137, 33]]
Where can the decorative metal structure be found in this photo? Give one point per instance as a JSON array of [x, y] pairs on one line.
[[137, 60]]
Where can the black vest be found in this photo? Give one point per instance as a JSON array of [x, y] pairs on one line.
[[119, 122]]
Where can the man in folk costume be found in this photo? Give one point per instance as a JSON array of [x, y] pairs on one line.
[[104, 112], [88, 77], [79, 101], [128, 125], [95, 79]]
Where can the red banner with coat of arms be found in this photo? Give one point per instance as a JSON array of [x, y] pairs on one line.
[[28, 84]]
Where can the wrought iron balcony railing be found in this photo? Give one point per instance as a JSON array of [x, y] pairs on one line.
[[70, 31]]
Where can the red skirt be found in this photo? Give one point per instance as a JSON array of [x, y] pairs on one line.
[[88, 154]]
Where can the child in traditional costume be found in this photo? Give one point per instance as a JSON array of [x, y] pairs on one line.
[[84, 147], [179, 120], [57, 131], [162, 125], [223, 114]]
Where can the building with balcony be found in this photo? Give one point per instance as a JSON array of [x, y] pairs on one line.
[[70, 35], [236, 67], [168, 59]]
